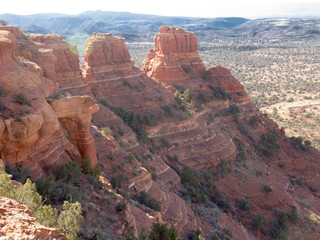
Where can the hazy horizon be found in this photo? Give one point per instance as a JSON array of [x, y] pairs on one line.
[[227, 8]]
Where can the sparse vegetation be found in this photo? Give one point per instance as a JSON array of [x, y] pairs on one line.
[[22, 99], [162, 232], [144, 198], [67, 221]]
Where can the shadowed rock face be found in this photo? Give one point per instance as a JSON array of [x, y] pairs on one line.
[[175, 57], [17, 223]]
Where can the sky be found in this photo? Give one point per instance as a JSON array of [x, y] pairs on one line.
[[195, 8]]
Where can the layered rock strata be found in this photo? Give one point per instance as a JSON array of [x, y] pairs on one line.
[[31, 135], [75, 113], [112, 76], [175, 57], [58, 60]]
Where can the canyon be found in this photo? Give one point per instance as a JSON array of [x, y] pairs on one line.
[[189, 138]]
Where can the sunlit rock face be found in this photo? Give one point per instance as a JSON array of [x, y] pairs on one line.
[[175, 57]]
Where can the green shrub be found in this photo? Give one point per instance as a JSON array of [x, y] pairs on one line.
[[107, 131], [62, 190], [219, 93], [189, 177], [144, 198], [293, 216], [154, 176], [233, 110], [162, 232], [254, 121], [110, 156], [46, 216], [86, 168], [69, 219], [267, 189], [7, 189], [268, 143], [203, 98], [22, 99], [195, 235], [121, 206], [27, 194], [243, 204], [18, 173], [241, 154], [2, 91], [130, 157], [117, 181], [187, 69], [257, 223], [223, 202]]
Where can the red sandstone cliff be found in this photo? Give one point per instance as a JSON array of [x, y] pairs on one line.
[[175, 57], [112, 76], [58, 59], [31, 134]]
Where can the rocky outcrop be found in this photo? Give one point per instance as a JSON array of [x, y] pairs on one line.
[[16, 222], [7, 45], [57, 59], [221, 77], [175, 57], [67, 70], [31, 135], [75, 113], [112, 76]]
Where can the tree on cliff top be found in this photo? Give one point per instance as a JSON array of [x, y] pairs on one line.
[[4, 22]]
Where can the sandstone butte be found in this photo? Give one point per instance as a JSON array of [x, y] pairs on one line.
[[212, 140], [175, 56]]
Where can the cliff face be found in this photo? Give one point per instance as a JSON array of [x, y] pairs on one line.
[[175, 57], [31, 134], [112, 76], [58, 60]]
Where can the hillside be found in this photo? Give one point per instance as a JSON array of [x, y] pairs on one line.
[[175, 142]]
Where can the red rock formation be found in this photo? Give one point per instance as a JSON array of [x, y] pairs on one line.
[[57, 59], [7, 45], [67, 70], [16, 222], [15, 31], [112, 76], [175, 57], [30, 131], [75, 113], [105, 49], [221, 77]]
